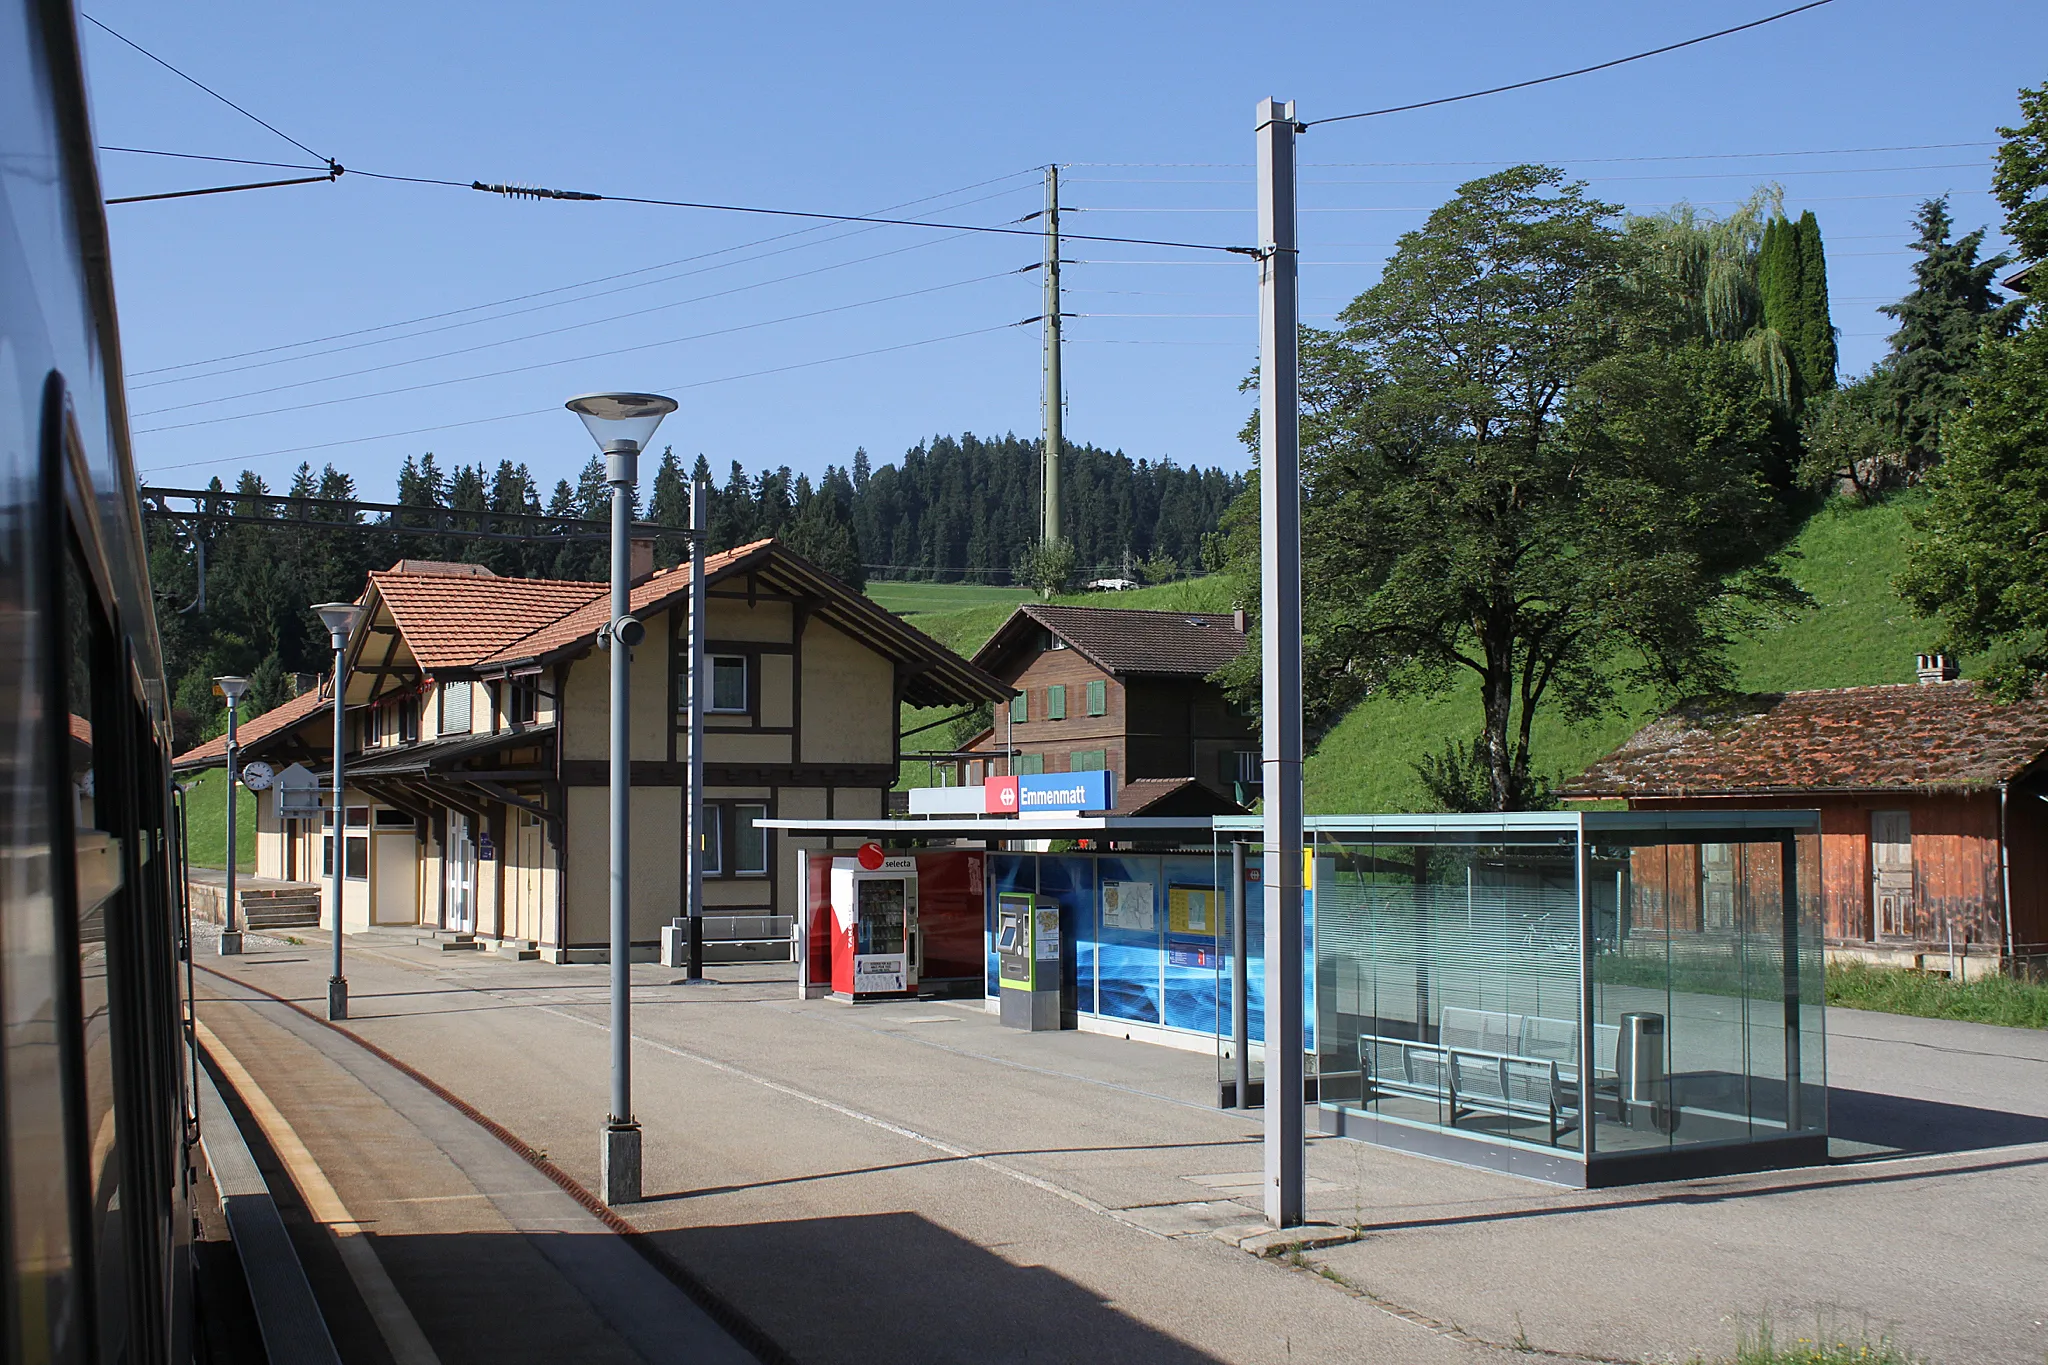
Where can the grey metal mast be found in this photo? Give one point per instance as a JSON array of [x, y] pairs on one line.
[[1280, 655], [699, 497], [1055, 437]]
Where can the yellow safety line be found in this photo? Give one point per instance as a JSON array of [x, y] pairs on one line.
[[401, 1331]]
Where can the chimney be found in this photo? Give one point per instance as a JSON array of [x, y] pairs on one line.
[[642, 562], [302, 683], [1937, 668], [1237, 621]]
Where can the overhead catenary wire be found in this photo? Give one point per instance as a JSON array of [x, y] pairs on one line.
[[1507, 161], [1567, 75]]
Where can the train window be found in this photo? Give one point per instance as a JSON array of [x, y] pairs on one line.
[[91, 671]]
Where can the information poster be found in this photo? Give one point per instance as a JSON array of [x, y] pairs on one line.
[[1128, 906], [1047, 939], [878, 972], [1191, 910]]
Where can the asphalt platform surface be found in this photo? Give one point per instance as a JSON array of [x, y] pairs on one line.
[[911, 1182]]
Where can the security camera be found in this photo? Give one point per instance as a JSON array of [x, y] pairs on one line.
[[629, 631]]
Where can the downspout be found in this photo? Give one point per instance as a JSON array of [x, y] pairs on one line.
[[2005, 873]]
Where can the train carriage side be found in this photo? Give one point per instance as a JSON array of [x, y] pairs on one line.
[[95, 1114]]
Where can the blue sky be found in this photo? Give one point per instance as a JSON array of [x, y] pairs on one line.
[[941, 110]]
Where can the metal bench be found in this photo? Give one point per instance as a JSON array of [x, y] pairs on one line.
[[1490, 1062]]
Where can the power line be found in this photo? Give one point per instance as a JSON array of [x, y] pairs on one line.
[[330, 161], [572, 360], [1506, 161], [1581, 71], [569, 327], [554, 409], [530, 336], [582, 284]]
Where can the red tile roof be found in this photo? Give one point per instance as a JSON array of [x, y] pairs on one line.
[[1948, 736], [454, 620], [583, 620], [252, 731], [1128, 643]]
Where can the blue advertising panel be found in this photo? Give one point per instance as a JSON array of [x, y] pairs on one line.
[[1062, 792]]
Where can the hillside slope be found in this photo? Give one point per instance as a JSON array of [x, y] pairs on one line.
[[1858, 633]]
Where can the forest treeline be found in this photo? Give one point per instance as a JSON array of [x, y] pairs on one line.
[[952, 509]]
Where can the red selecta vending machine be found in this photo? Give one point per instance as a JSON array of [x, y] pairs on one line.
[[887, 926]]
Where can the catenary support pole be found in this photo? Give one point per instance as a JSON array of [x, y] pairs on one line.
[[1280, 872], [699, 496], [1051, 520], [1240, 978], [621, 1134], [231, 927]]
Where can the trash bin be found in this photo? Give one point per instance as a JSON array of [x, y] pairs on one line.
[[1639, 1064]]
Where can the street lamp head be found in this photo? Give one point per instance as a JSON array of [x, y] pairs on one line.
[[339, 618], [621, 423], [232, 688]]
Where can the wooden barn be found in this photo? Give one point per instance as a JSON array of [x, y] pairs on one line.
[[1933, 802]]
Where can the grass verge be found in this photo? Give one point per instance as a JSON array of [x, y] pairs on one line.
[[2001, 1000], [206, 807], [1825, 1347]]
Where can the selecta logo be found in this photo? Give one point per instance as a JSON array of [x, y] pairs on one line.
[[999, 796], [871, 857]]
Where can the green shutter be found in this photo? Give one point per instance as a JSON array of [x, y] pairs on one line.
[[1056, 702], [1029, 763], [1098, 698], [1017, 709], [1088, 760]]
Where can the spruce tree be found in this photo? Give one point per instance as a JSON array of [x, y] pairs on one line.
[[1778, 282], [1951, 308], [2020, 177]]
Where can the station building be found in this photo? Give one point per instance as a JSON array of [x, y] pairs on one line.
[[477, 729]]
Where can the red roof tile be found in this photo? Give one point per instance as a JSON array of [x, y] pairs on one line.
[[583, 621], [1946, 736], [214, 752], [456, 620]]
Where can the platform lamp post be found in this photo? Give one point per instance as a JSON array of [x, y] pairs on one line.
[[233, 689], [621, 424], [340, 619]]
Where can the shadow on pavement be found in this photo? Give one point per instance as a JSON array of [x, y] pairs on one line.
[[897, 1287], [1908, 1127]]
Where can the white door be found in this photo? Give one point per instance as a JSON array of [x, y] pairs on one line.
[[1891, 872], [461, 875]]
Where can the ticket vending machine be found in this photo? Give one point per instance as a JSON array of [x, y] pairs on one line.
[[1028, 958], [874, 924]]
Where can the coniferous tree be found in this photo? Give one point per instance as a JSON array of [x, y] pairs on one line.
[[1816, 324], [1952, 307], [1779, 281]]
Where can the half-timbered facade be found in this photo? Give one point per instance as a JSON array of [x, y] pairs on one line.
[[478, 714]]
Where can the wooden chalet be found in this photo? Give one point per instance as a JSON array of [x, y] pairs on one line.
[[1097, 688], [1933, 801]]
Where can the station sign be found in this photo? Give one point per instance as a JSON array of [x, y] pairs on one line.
[[1044, 793]]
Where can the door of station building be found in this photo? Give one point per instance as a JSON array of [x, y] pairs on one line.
[[1891, 872], [461, 875]]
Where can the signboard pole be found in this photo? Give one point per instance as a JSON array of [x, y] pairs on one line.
[[1280, 655]]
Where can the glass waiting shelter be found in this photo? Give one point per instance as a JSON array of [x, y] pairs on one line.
[[1590, 998]]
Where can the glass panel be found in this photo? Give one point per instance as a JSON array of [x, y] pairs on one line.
[[1132, 910], [750, 845], [879, 915], [714, 843], [357, 852], [728, 683], [1708, 1034], [1447, 985]]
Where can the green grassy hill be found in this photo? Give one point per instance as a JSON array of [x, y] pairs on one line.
[[1858, 633], [924, 597]]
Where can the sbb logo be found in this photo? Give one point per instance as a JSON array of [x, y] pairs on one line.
[[999, 796]]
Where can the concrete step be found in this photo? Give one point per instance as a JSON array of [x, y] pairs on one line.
[[461, 943], [518, 951]]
